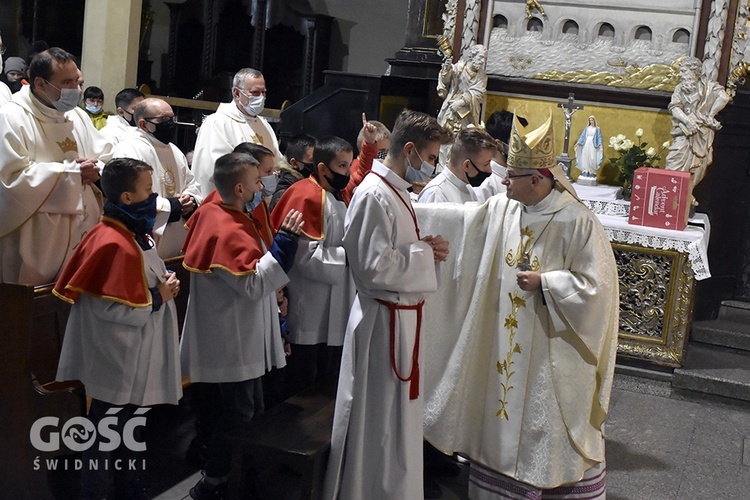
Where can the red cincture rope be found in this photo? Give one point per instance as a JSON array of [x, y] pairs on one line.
[[413, 377]]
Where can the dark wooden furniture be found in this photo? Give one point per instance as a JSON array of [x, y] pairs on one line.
[[296, 433]]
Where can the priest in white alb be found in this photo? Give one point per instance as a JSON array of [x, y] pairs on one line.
[[179, 193], [50, 157], [232, 124], [522, 336]]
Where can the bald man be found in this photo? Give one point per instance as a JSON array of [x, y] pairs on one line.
[[179, 194]]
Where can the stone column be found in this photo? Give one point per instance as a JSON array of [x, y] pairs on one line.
[[109, 59]]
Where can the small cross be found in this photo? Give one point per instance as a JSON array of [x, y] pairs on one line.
[[568, 108]]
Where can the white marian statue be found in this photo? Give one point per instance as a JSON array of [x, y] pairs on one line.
[[695, 102], [589, 152]]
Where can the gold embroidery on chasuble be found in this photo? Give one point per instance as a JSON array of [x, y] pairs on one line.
[[169, 181], [505, 367], [521, 256], [68, 145]]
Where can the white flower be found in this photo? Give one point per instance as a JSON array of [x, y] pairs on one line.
[[612, 141], [666, 145], [620, 137], [627, 144], [639, 132], [616, 146], [651, 152]]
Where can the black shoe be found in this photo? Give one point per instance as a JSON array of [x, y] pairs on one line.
[[432, 488], [205, 491]]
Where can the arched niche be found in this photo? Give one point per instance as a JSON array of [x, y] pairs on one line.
[[500, 21], [570, 27], [535, 25], [643, 33], [681, 35]]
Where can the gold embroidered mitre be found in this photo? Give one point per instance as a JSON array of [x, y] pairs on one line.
[[534, 149], [68, 145]]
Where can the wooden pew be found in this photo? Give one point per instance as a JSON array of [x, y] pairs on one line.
[[32, 327]]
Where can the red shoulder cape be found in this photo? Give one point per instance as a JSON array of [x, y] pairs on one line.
[[307, 197], [221, 237], [261, 215], [108, 264]]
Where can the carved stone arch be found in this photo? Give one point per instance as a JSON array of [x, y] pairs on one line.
[[604, 26], [534, 22], [681, 32], [641, 30], [567, 23], [500, 21]]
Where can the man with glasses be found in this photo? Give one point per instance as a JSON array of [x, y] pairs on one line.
[[179, 193], [524, 335], [468, 167], [234, 123], [121, 124], [50, 157]]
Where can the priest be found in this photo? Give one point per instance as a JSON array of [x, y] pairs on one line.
[[50, 157], [523, 333]]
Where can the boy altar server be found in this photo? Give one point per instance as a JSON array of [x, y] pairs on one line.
[[320, 289], [376, 445], [121, 337], [231, 334]]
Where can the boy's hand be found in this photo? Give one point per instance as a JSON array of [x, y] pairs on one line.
[[170, 288], [369, 132], [282, 301], [439, 246], [287, 348], [293, 222]]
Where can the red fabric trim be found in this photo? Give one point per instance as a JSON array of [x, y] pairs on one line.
[[108, 263], [413, 377], [545, 172], [361, 166], [219, 236], [307, 197]]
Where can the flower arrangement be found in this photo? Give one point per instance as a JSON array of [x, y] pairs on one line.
[[632, 155]]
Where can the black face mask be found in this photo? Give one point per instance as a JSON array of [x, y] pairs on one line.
[[165, 131], [337, 181], [308, 169], [131, 120], [479, 178]]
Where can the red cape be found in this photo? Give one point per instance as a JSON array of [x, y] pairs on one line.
[[261, 215], [108, 264], [307, 197], [361, 166], [222, 237]]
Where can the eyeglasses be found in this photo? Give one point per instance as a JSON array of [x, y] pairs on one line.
[[253, 93], [156, 120], [508, 175]]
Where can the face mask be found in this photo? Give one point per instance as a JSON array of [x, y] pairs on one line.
[[254, 104], [144, 211], [479, 178], [69, 99], [337, 181], [422, 175], [93, 109], [381, 154], [252, 205], [164, 131], [131, 120], [307, 168], [269, 184]]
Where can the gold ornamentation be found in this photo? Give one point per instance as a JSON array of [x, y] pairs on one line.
[[169, 182], [531, 6], [521, 259], [68, 145], [519, 62], [656, 303], [504, 368], [651, 77]]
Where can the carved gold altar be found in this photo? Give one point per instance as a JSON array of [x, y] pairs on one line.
[[657, 291]]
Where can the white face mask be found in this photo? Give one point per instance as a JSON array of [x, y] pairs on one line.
[[269, 184], [422, 175], [93, 109], [69, 99], [255, 104]]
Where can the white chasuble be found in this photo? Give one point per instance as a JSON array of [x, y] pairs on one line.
[[171, 177], [520, 381], [220, 133], [376, 445], [46, 209]]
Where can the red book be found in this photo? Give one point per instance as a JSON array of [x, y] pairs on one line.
[[660, 198]]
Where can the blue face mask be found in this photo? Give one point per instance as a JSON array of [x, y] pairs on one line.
[[93, 109], [252, 205], [422, 175], [144, 211]]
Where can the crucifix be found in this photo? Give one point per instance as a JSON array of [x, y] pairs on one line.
[[569, 108]]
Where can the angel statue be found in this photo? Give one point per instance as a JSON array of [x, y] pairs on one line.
[[462, 86]]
